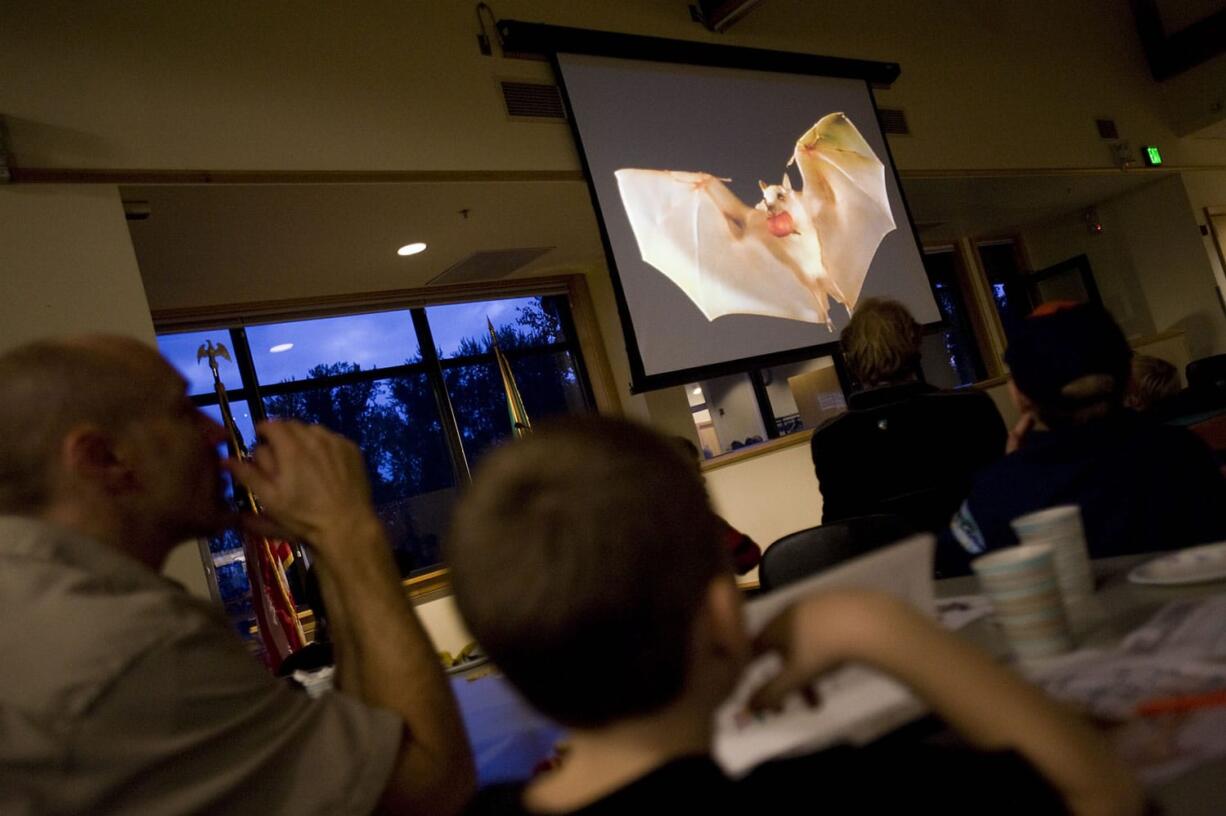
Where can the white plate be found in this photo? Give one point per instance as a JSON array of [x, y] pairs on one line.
[[1194, 565]]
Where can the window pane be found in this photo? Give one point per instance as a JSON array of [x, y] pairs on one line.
[[376, 340], [1005, 280], [395, 422], [727, 417], [480, 406], [242, 419], [549, 385], [804, 394], [460, 329], [180, 350], [951, 357]]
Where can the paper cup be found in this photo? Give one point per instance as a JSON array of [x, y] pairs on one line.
[[1025, 594], [1060, 527]]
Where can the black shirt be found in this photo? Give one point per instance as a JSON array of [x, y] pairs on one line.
[[870, 780], [1141, 487], [908, 451]]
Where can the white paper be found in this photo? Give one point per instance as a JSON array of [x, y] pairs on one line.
[[1112, 684], [857, 704], [1194, 627], [961, 611]]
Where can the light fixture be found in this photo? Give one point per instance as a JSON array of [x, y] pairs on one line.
[[280, 347], [411, 249], [697, 391]]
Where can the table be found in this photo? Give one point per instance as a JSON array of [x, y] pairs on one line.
[[1122, 606], [509, 739]]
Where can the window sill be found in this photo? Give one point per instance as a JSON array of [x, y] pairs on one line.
[[760, 449]]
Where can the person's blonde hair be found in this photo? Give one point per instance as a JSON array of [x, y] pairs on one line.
[[1153, 381], [881, 344]]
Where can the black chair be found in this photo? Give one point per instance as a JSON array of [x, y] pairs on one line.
[[1207, 380], [810, 551]]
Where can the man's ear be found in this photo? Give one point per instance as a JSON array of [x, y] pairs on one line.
[[726, 619], [89, 454]]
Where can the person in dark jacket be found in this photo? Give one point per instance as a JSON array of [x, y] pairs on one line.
[[903, 448], [1141, 486]]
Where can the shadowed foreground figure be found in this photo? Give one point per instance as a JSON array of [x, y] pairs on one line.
[[586, 561], [121, 693], [1141, 486]]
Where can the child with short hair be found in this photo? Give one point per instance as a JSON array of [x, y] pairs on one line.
[[585, 560]]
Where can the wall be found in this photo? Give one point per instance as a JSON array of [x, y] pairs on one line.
[[1208, 189], [402, 86], [1149, 262], [768, 496], [67, 265]]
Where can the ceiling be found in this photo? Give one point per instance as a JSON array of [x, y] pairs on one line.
[[228, 243]]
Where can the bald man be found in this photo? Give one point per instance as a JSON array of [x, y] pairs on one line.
[[120, 693]]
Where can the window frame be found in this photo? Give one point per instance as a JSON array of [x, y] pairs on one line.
[[578, 324]]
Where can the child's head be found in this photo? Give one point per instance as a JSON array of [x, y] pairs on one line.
[[580, 558], [1154, 381], [1070, 362]]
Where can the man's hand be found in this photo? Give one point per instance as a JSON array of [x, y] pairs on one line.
[[819, 633], [1017, 434], [311, 482]]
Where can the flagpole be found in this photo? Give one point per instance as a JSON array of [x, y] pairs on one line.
[[517, 413]]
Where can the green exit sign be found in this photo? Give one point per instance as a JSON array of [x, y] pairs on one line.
[[1152, 156]]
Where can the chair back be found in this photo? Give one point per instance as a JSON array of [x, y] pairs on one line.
[[1207, 380], [806, 552]]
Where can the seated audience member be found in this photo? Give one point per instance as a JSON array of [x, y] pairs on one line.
[[1153, 387], [744, 550], [1141, 486], [903, 447], [613, 611], [121, 693]]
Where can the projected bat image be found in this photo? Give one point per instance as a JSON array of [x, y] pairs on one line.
[[785, 257]]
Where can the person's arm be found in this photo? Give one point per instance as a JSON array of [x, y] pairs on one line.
[[313, 484], [987, 704]]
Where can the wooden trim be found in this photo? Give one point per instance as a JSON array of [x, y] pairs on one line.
[[99, 175], [760, 449], [203, 317], [418, 589], [591, 343], [992, 382], [987, 321], [428, 583]]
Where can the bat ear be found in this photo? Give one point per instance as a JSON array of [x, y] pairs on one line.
[[787, 182], [762, 185]]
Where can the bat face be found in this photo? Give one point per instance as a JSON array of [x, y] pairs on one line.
[[788, 255]]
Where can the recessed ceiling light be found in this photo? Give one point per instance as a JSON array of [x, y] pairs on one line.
[[697, 391], [280, 347], [411, 249]]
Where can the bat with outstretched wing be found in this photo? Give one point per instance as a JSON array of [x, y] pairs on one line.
[[785, 257]]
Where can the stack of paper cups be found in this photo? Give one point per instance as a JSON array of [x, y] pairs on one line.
[[1021, 583], [1060, 528]]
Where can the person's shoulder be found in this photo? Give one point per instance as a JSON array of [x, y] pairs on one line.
[[961, 780]]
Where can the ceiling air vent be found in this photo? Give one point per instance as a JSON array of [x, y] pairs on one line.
[[533, 101], [491, 265], [893, 120]]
